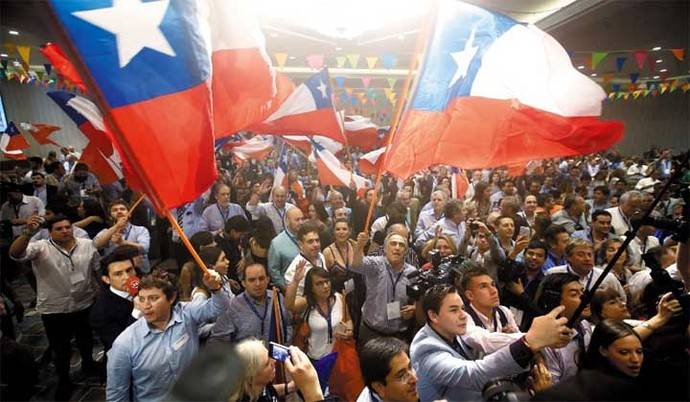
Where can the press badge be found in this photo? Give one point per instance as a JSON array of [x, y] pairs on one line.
[[76, 276], [180, 342], [393, 310]]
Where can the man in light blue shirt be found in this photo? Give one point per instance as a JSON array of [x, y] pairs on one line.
[[215, 215], [275, 210], [123, 232], [284, 247], [149, 355]]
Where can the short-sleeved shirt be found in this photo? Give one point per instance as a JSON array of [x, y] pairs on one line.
[[29, 205]]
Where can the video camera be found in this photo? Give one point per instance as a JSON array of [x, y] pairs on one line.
[[680, 227], [443, 271], [510, 270], [664, 284]]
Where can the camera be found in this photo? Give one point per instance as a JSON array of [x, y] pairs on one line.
[[278, 352], [510, 270], [504, 389], [443, 271]]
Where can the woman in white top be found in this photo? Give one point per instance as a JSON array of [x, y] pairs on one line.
[[321, 307]]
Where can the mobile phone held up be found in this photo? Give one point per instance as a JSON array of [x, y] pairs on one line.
[[278, 351]]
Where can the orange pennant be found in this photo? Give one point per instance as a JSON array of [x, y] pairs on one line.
[[679, 53]]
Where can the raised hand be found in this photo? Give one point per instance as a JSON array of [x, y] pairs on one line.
[[549, 330]]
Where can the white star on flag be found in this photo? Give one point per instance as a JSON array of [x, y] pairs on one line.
[[463, 59], [322, 87], [135, 25]]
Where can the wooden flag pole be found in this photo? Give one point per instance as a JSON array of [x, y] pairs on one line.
[[185, 241], [395, 122]]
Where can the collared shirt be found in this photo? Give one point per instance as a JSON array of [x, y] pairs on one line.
[[451, 229], [122, 294], [76, 190], [383, 286], [151, 360], [28, 206], [368, 395], [638, 247], [586, 234], [568, 222], [282, 251], [493, 324], [290, 271], [44, 234], [246, 318], [426, 220], [562, 362], [135, 234], [275, 214], [65, 279], [42, 194], [552, 260], [214, 216], [590, 279], [191, 220]]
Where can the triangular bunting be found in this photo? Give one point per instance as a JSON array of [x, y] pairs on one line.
[[389, 60], [340, 61], [371, 62], [637, 94], [619, 95], [391, 82], [366, 81], [281, 58], [686, 87], [353, 59], [620, 61], [597, 57], [349, 92], [616, 87], [4, 64], [673, 86], [339, 81], [612, 95], [679, 53], [640, 57], [48, 67], [315, 61], [634, 77], [24, 53]]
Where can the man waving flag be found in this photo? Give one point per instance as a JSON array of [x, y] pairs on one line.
[[494, 92]]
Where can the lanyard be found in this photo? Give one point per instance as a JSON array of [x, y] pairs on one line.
[[589, 280], [66, 255], [292, 239], [281, 215], [328, 319], [224, 216], [256, 313], [125, 235], [394, 282], [625, 218]]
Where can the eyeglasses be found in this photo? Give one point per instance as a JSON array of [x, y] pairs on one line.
[[405, 377]]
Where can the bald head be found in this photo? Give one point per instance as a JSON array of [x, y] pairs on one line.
[[279, 197], [293, 219]]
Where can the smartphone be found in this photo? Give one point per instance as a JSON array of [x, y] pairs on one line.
[[525, 232], [278, 351]]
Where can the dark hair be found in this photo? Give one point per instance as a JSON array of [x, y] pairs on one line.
[[52, 167], [81, 166], [36, 160], [342, 220], [201, 239], [467, 276], [548, 295], [600, 212], [305, 229], [396, 209], [209, 256], [479, 191], [451, 208], [605, 190], [605, 333], [93, 208], [33, 174], [237, 223], [321, 212], [55, 219], [537, 244], [264, 232], [375, 358], [126, 252], [253, 264], [601, 253], [118, 201], [433, 298], [551, 232], [541, 199], [601, 297], [309, 284], [504, 181], [569, 200], [160, 279]]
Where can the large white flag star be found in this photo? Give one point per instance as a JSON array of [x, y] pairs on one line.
[[464, 58], [322, 87], [135, 25]]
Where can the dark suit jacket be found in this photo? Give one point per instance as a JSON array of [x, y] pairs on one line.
[[110, 315]]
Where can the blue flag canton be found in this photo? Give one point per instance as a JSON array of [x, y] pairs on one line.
[[11, 129], [462, 36], [320, 88], [61, 98], [173, 56], [283, 159]]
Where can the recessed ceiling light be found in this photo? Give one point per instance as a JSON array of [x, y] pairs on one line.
[[580, 67], [292, 57], [663, 70], [401, 37], [274, 35], [658, 61], [656, 48], [594, 74], [337, 49], [656, 77], [13, 32], [16, 63], [3, 54]]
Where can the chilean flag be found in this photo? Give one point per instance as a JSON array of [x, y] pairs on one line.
[[308, 110], [41, 132], [494, 92], [258, 148], [361, 132], [98, 154], [459, 183], [12, 142], [303, 143], [280, 178], [62, 65], [152, 64], [331, 170], [370, 162]]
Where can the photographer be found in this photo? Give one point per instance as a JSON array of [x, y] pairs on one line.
[[448, 368], [520, 291]]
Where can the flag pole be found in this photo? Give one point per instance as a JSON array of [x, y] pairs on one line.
[[420, 45], [123, 146]]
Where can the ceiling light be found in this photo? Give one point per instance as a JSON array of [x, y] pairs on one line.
[[3, 54], [580, 67], [656, 77], [13, 32], [401, 37], [292, 57], [663, 70], [656, 48], [274, 35], [594, 74], [658, 61], [16, 63], [337, 49]]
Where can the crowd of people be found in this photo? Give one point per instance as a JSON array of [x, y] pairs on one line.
[[306, 266]]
